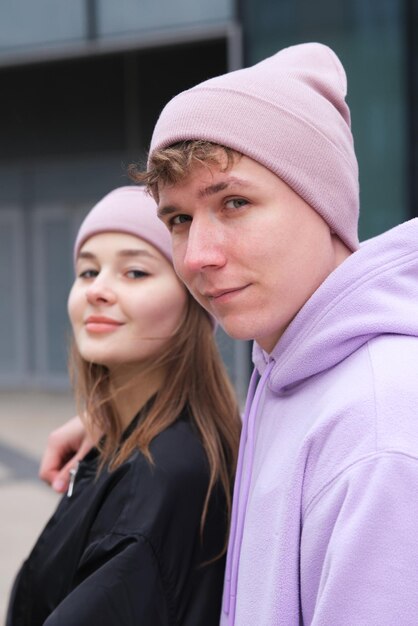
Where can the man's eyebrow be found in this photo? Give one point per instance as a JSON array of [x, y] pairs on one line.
[[165, 210], [213, 189], [207, 191]]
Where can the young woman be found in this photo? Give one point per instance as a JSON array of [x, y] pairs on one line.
[[140, 536]]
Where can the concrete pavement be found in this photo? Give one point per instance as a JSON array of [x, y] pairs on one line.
[[26, 503]]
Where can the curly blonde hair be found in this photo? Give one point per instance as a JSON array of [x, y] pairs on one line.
[[168, 166]]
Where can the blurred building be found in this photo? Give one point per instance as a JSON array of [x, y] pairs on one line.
[[81, 86]]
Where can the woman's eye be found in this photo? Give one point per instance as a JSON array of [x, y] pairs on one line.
[[136, 274], [88, 274], [236, 203]]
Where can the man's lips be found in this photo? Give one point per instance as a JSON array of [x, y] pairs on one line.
[[220, 295]]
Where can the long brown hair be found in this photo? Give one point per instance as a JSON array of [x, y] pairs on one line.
[[194, 378]]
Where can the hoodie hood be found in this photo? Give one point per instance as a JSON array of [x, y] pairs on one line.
[[373, 292]]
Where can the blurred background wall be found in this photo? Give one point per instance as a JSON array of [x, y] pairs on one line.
[[81, 86]]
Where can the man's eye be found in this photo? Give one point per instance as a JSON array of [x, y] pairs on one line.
[[236, 203], [180, 219]]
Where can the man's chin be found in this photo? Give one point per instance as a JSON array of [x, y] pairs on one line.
[[235, 329]]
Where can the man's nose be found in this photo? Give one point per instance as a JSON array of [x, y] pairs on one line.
[[205, 245]]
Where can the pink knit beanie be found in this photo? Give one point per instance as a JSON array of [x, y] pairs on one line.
[[128, 210], [288, 113]]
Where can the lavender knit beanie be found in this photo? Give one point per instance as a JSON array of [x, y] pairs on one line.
[[288, 113], [128, 210]]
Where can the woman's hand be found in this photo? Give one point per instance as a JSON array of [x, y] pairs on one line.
[[65, 447]]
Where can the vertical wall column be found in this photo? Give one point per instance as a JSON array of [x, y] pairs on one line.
[[411, 28]]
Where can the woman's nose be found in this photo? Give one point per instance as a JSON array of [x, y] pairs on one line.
[[99, 292]]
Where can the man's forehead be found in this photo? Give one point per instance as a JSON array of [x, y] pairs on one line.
[[204, 188]]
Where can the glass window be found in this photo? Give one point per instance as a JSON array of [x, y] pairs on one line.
[[237, 358], [28, 23], [12, 289], [53, 275], [368, 37], [127, 16]]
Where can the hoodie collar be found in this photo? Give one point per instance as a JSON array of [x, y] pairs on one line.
[[373, 292]]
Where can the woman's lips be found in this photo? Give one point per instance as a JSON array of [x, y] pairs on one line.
[[100, 324]]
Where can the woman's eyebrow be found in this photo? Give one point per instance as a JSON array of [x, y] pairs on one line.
[[86, 255], [121, 253], [135, 253]]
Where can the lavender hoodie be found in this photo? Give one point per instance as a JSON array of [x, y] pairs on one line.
[[325, 520]]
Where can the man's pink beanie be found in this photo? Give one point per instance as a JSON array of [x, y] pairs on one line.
[[128, 210], [289, 113]]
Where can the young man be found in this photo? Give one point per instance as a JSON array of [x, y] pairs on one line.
[[255, 175], [264, 234]]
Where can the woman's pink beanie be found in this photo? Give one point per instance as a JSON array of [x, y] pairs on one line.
[[289, 113], [128, 210]]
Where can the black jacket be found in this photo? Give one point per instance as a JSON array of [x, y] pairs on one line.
[[125, 549]]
